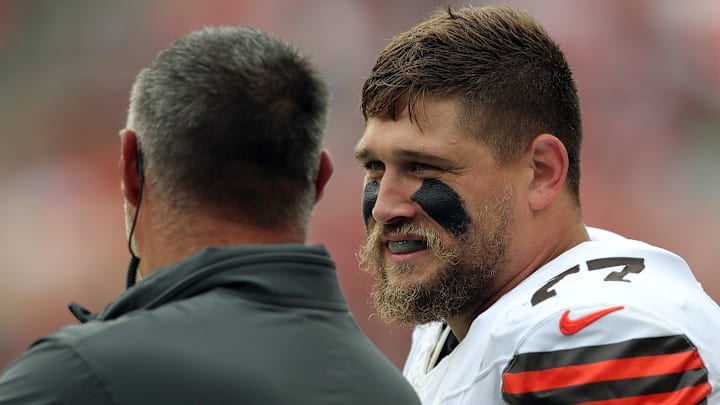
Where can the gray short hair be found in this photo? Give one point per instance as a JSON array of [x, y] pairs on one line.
[[232, 119]]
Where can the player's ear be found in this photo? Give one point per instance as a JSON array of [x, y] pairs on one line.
[[129, 174], [549, 170], [325, 170]]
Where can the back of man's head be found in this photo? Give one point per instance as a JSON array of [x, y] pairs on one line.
[[230, 121]]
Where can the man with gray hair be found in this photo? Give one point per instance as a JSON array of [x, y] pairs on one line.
[[221, 164]]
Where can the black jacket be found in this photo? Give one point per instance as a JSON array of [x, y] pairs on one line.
[[265, 324]]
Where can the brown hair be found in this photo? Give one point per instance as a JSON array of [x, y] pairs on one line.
[[510, 79]]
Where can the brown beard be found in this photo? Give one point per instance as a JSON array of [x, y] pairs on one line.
[[466, 275]]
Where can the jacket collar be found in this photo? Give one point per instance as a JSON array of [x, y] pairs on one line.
[[286, 274]]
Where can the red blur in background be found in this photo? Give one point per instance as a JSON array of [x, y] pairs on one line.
[[647, 72]]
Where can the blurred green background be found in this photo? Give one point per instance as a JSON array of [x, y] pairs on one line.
[[647, 71]]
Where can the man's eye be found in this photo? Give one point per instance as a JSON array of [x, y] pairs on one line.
[[422, 167]]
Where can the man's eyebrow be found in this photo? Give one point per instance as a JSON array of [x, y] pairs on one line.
[[418, 154], [363, 154], [424, 157]]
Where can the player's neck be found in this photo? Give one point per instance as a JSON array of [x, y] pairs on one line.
[[171, 240]]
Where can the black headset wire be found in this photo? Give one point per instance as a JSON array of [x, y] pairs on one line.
[[134, 260]]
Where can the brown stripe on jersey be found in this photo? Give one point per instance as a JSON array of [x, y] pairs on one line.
[[663, 367], [592, 354], [688, 387], [683, 396], [634, 367]]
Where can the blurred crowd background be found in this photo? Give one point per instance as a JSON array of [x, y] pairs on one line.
[[648, 72]]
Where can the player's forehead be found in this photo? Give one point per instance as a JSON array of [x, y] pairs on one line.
[[432, 129]]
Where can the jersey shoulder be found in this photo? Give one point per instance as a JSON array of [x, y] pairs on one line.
[[602, 352], [613, 319]]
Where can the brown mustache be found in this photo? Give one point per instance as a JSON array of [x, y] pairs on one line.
[[435, 242]]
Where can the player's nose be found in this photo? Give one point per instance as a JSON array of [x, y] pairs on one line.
[[394, 203]]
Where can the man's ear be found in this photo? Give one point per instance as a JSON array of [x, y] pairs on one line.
[[550, 166], [129, 174], [325, 170]]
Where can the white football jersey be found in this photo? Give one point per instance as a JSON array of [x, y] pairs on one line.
[[612, 321]]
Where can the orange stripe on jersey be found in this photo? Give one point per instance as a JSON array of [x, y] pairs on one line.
[[688, 395], [664, 368], [633, 367]]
